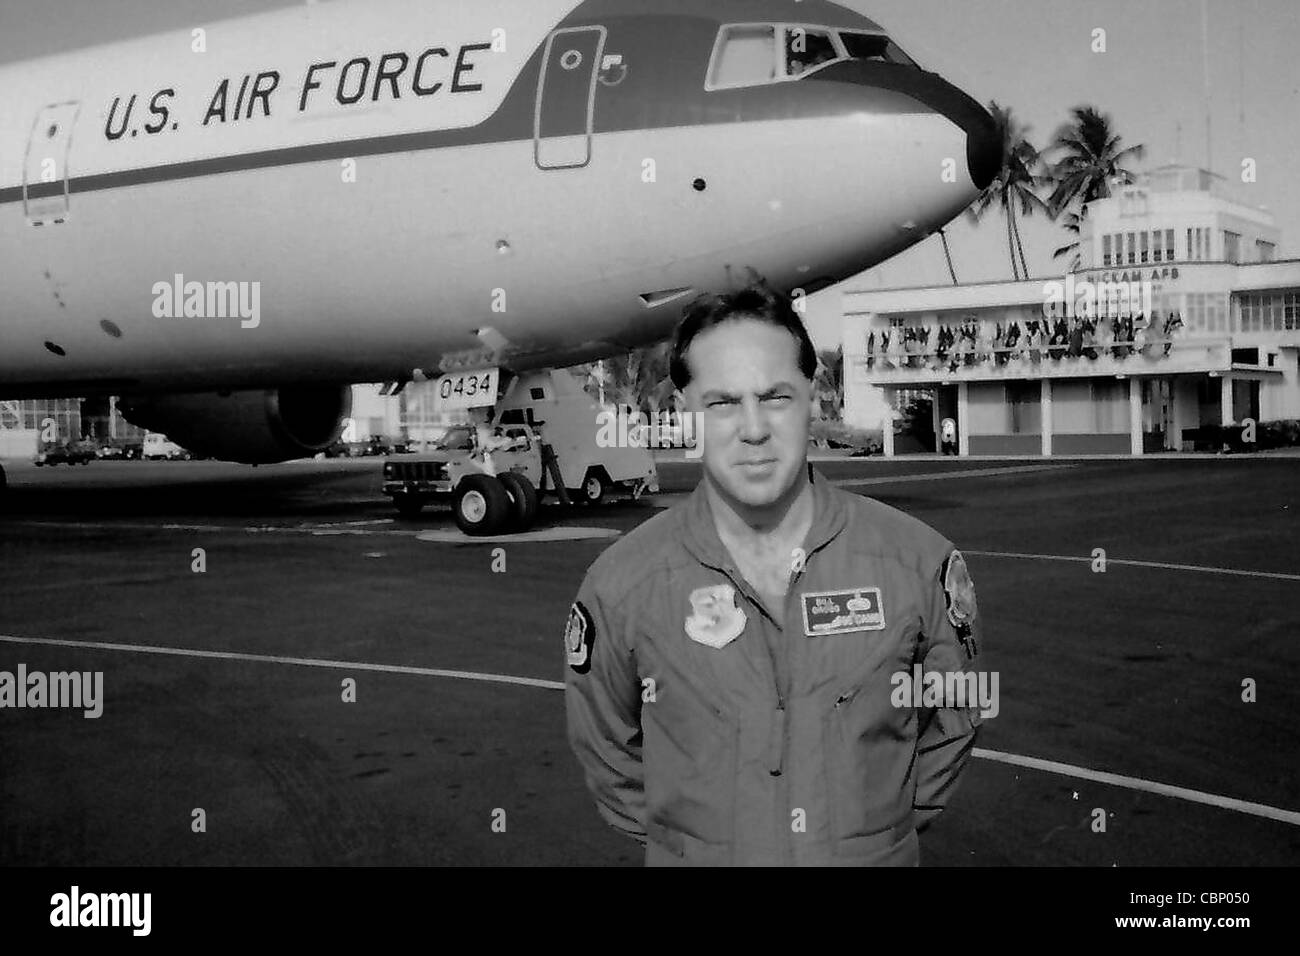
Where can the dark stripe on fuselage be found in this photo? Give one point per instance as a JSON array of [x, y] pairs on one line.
[[667, 57]]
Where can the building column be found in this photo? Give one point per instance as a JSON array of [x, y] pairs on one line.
[[1225, 400], [963, 425], [887, 423], [1135, 415], [936, 420], [1045, 403]]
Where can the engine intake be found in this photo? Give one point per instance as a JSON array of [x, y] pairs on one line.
[[256, 427]]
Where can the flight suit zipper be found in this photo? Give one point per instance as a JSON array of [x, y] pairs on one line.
[[776, 739], [778, 732]]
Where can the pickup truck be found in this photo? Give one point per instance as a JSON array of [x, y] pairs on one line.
[[489, 492]]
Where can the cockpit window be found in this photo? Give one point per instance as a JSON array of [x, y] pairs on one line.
[[806, 48], [750, 54], [874, 46], [745, 55]]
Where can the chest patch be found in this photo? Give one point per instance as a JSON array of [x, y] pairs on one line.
[[715, 619], [842, 612]]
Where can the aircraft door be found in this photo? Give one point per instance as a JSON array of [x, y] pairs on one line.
[[45, 169], [566, 95]]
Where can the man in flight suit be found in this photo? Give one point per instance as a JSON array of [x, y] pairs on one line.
[[731, 686]]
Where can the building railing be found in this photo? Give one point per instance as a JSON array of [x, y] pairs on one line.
[[966, 362]]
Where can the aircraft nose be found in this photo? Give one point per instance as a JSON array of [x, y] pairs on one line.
[[983, 149], [983, 144]]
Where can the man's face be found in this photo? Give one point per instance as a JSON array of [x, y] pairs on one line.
[[753, 405]]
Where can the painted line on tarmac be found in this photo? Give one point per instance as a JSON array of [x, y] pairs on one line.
[[1135, 783], [947, 476], [277, 659], [1274, 575], [340, 529], [1034, 763], [555, 533], [672, 497], [320, 530]]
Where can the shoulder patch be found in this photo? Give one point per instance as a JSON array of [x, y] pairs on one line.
[[579, 635], [959, 591]]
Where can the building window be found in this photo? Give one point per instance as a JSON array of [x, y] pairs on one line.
[[1292, 311], [1132, 248], [1264, 250], [1107, 403], [1169, 245], [1155, 246], [1216, 319], [1023, 409], [1190, 250], [1231, 246], [1105, 250], [1249, 317], [1146, 251]]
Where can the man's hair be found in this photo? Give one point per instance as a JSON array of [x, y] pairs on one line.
[[757, 301]]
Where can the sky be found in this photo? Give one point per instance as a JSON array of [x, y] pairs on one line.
[[1035, 56]]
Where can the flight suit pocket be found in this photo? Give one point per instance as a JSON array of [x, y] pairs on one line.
[[690, 748], [868, 747], [666, 846], [677, 716]]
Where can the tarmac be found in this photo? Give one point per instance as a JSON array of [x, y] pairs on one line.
[[226, 690]]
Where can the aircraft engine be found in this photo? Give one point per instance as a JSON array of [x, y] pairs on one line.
[[255, 427]]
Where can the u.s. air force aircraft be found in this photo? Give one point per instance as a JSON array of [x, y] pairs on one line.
[[229, 226]]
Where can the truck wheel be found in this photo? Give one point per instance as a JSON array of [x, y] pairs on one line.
[[408, 505], [523, 500], [481, 505], [593, 487]]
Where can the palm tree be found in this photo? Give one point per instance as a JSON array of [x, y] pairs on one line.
[[828, 384], [1073, 224], [947, 254], [1090, 163], [639, 378], [1015, 184]]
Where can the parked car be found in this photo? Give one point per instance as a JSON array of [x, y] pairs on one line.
[[68, 453], [116, 449], [347, 449], [110, 452]]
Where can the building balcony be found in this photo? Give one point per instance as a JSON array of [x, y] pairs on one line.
[[1156, 357]]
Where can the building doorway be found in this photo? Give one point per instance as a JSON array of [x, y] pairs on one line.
[[1245, 400], [915, 423], [1158, 415]]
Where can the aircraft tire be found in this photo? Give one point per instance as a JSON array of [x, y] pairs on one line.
[[523, 500], [481, 505]]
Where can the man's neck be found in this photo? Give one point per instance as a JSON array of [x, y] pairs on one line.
[[785, 520]]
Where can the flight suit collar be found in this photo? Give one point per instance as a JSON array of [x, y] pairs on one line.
[[699, 535]]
